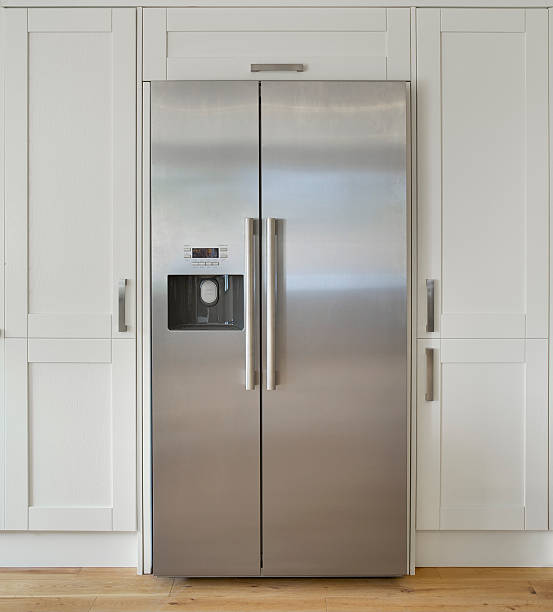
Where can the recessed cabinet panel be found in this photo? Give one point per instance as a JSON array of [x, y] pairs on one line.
[[82, 407], [482, 446], [70, 228], [298, 44], [484, 170], [276, 19]]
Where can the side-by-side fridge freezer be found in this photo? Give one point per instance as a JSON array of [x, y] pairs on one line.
[[279, 328]]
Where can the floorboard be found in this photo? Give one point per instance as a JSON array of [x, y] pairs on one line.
[[430, 590]]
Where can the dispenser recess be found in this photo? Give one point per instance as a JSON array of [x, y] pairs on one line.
[[205, 302]]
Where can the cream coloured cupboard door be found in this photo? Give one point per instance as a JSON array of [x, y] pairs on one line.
[[482, 434], [70, 434], [70, 175], [482, 158], [70, 208]]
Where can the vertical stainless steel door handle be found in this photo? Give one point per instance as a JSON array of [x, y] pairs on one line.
[[250, 271], [429, 393], [122, 326], [271, 304], [430, 286]]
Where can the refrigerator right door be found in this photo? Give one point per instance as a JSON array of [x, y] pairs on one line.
[[334, 429]]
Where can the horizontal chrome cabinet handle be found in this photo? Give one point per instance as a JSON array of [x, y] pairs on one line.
[[277, 67]]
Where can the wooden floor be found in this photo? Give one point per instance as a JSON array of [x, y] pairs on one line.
[[107, 590]]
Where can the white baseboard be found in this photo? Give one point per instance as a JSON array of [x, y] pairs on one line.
[[433, 549], [55, 549], [484, 548]]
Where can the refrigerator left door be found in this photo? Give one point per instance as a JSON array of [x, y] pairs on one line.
[[206, 425]]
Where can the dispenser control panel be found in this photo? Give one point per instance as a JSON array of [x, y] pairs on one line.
[[206, 256]]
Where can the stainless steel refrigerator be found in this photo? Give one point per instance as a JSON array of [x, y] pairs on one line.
[[279, 328]]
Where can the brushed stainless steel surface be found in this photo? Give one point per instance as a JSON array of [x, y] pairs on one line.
[[270, 302], [277, 67], [249, 304], [430, 287], [206, 481], [334, 445], [122, 290], [429, 393]]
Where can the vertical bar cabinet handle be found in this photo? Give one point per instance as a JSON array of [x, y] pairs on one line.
[[430, 286], [249, 314], [271, 304], [122, 326], [429, 393]]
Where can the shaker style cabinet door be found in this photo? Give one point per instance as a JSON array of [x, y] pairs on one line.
[[482, 434], [330, 43], [482, 316], [483, 200], [70, 269]]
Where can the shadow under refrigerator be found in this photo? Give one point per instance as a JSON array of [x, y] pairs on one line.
[[279, 328]]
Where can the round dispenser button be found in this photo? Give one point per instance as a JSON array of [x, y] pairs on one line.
[[209, 292]]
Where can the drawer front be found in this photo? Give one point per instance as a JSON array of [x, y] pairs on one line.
[[329, 43]]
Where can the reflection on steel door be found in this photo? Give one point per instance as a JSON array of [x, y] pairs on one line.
[[335, 428], [206, 432]]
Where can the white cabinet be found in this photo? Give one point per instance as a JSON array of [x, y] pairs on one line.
[[332, 43], [483, 210], [70, 200], [482, 117], [482, 439]]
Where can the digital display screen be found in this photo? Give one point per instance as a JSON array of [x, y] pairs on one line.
[[205, 253]]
